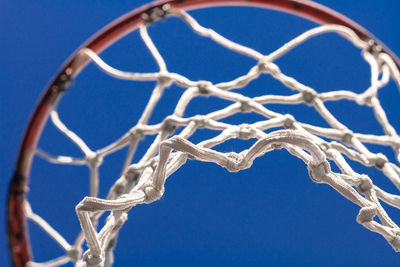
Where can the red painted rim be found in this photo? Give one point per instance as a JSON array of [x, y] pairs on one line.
[[17, 230]]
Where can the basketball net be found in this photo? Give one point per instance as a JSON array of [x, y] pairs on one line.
[[318, 147]]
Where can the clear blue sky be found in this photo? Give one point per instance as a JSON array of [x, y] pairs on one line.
[[271, 214]]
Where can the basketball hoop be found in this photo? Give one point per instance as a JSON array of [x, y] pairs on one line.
[[143, 181]]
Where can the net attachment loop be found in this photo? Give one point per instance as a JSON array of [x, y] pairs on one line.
[[61, 83], [155, 14], [374, 48]]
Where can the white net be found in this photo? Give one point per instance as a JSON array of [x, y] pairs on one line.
[[318, 147]]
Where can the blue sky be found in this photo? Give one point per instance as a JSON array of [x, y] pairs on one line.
[[271, 214]]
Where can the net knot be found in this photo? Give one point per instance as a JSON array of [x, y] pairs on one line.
[[74, 253], [245, 107], [204, 87], [366, 214], [111, 244], [364, 99], [325, 147], [246, 132], [94, 159], [136, 132], [132, 175], [152, 194], [380, 160], [347, 137], [164, 80], [169, 126], [233, 161], [289, 121], [119, 187], [309, 96], [318, 173], [266, 66], [200, 120], [91, 260], [365, 184]]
